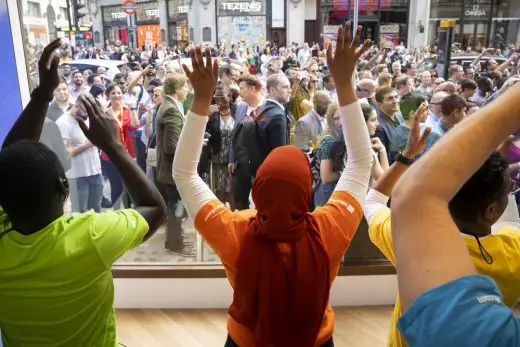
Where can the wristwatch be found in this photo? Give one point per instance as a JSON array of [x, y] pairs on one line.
[[38, 94], [403, 160]]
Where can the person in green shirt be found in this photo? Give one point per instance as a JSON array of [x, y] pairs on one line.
[[56, 286]]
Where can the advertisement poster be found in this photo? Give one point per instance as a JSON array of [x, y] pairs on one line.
[[10, 98], [149, 35], [251, 29]]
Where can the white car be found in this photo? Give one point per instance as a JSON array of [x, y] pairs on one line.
[[113, 67]]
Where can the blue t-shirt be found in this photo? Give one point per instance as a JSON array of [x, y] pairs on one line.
[[465, 312]]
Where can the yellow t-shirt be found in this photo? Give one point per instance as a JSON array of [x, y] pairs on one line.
[[503, 246], [56, 285]]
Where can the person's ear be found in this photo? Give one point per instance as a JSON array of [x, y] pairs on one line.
[[491, 211], [63, 187]]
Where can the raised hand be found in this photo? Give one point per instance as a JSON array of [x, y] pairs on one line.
[[131, 101], [377, 144], [103, 101], [101, 130], [203, 78], [343, 63], [48, 68], [416, 141]]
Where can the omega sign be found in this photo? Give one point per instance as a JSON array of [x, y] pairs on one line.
[[252, 6], [475, 11]]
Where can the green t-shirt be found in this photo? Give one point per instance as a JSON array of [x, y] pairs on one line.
[[56, 286]]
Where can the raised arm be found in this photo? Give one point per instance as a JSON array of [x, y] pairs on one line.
[[101, 132], [29, 124], [380, 193], [192, 189], [428, 247], [356, 174]]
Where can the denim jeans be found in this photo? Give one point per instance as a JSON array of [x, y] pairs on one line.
[[116, 183], [323, 193], [89, 193]]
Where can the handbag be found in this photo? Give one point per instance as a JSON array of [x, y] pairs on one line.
[[151, 157]]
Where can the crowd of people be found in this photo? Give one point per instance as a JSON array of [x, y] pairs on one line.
[[276, 165]]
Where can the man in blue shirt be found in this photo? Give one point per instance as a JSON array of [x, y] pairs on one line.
[[388, 116]]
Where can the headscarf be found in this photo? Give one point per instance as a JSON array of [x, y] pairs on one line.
[[282, 299]]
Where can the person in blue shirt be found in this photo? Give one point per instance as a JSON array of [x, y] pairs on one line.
[[445, 302]]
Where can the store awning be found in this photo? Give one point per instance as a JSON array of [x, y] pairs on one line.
[[38, 30]]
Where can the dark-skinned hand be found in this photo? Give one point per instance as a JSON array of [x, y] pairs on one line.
[[48, 68]]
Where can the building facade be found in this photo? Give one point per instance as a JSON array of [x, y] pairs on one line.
[[44, 20]]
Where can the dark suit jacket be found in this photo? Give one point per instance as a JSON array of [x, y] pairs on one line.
[[274, 126], [170, 121]]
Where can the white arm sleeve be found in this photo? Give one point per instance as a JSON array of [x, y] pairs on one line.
[[356, 174], [374, 201], [193, 190]]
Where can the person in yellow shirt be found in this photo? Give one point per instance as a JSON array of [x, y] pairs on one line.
[[56, 286], [475, 208]]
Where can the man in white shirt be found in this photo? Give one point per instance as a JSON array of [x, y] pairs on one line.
[[85, 180], [304, 54]]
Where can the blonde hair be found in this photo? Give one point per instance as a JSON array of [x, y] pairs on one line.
[[329, 116]]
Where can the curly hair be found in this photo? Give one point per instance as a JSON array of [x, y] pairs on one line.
[[486, 185]]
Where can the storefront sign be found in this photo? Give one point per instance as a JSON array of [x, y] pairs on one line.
[[252, 6], [389, 29], [241, 8], [152, 13], [184, 9], [118, 15], [476, 11], [330, 29], [149, 35]]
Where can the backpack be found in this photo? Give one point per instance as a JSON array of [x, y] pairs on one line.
[[257, 148]]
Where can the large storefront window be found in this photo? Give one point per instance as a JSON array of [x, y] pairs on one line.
[[114, 24], [147, 24], [479, 23], [382, 20], [241, 21], [178, 31]]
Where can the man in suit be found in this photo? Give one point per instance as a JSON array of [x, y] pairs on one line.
[[170, 120], [309, 128]]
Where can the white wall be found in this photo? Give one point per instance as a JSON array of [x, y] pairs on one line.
[[200, 17], [419, 13], [310, 9], [217, 293], [296, 21]]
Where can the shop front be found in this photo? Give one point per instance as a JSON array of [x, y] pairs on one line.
[[178, 30], [148, 24], [383, 20], [37, 35], [241, 21], [479, 23], [115, 24], [83, 36]]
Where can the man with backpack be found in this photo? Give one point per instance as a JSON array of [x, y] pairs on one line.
[[258, 134]]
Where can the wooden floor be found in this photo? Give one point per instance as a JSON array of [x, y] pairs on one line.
[[355, 327]]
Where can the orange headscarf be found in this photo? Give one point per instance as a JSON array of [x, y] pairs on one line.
[[282, 300]]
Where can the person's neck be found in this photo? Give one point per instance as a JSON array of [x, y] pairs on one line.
[[116, 106], [256, 100], [391, 115], [473, 229], [63, 104], [174, 97], [32, 224]]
